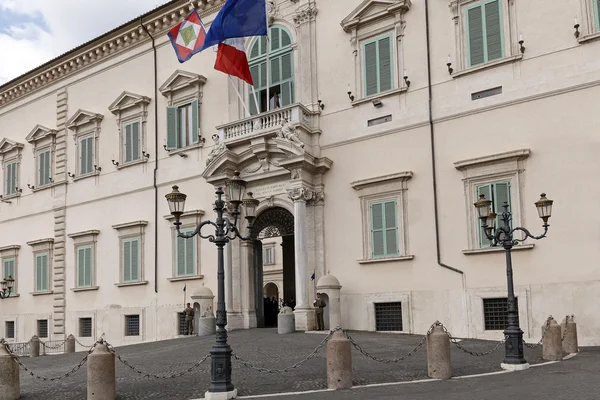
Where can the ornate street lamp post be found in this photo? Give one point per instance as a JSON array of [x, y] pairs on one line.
[[504, 236], [225, 231], [6, 286]]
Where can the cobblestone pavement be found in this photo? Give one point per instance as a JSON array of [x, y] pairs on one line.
[[576, 378], [261, 347]]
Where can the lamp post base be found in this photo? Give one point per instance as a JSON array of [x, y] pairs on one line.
[[221, 395], [514, 367]]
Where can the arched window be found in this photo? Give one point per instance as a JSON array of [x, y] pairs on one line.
[[281, 71]]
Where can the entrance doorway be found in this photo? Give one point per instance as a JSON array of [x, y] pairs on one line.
[[273, 264]]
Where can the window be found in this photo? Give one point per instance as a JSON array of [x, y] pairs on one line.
[[9, 327], [268, 255], [597, 14], [182, 125], [377, 55], [10, 178], [131, 142], [9, 270], [181, 325], [42, 278], [277, 78], [86, 155], [131, 259], [42, 328], [132, 325], [185, 255], [384, 229], [498, 193], [85, 327], [85, 259], [495, 313], [44, 164], [484, 32], [388, 317]]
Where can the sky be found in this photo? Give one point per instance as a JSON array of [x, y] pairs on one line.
[[33, 32]]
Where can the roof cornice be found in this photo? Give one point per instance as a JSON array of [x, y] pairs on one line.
[[112, 43]]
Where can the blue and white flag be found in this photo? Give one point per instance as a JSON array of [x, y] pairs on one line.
[[237, 18]]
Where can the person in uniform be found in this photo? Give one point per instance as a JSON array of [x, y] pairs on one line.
[[319, 306], [189, 320]]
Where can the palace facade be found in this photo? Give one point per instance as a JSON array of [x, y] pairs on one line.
[[374, 127]]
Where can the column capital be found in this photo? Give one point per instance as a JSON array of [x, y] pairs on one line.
[[300, 194]]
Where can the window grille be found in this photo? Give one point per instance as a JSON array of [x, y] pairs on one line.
[[495, 313], [132, 325], [181, 324], [10, 329], [42, 328], [85, 327], [388, 316]]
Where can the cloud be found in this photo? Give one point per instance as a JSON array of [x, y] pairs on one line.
[[33, 32]]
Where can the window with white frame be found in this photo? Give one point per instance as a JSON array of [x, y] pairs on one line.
[[85, 259], [186, 252], [131, 111], [499, 178], [86, 127], [9, 268], [486, 31], [279, 72], [43, 140], [131, 142], [85, 327], [597, 14], [9, 329], [44, 165], [268, 255], [383, 206], [183, 91], [42, 260], [131, 239], [42, 328], [185, 255], [9, 255], [378, 64], [132, 325], [11, 174], [10, 156], [589, 25]]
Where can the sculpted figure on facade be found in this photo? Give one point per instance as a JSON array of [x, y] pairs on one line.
[[218, 149], [290, 133]]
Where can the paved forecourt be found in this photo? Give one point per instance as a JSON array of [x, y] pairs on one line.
[[261, 348]]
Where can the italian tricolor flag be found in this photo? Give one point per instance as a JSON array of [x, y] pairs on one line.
[[232, 60]]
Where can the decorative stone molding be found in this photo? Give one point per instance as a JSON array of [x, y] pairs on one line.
[[43, 139], [39, 133], [183, 86], [217, 150], [272, 11], [306, 14], [9, 149], [82, 119], [85, 123], [392, 179], [370, 11], [131, 108], [107, 46], [289, 133], [300, 194]]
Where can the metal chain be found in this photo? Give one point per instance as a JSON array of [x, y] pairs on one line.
[[45, 378], [461, 347], [287, 369], [55, 347], [84, 345], [538, 344], [383, 360], [149, 375]]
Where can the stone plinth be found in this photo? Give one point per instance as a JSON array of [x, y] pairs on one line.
[[304, 319], [221, 395], [10, 384], [70, 344], [285, 321], [569, 343], [206, 326], [101, 383], [552, 342], [34, 346], [438, 354], [339, 362]]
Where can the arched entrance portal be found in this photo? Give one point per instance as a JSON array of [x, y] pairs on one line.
[[273, 234]]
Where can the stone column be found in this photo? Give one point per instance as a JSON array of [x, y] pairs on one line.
[[304, 312], [228, 282], [34, 346], [70, 344], [10, 384], [247, 278], [101, 379]]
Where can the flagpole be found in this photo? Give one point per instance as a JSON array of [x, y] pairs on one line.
[[239, 95], [268, 66], [256, 100]]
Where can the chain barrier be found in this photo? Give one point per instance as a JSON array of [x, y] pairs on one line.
[[287, 369], [384, 360], [54, 347], [538, 344], [45, 378], [85, 345], [455, 342], [149, 375]]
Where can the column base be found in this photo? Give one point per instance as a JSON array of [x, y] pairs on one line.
[[221, 395], [305, 319], [514, 367], [235, 321]]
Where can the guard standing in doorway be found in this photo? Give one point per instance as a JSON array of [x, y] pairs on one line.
[[189, 320], [319, 306]]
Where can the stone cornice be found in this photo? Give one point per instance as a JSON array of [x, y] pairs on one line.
[[380, 180], [494, 158], [157, 22], [362, 14]]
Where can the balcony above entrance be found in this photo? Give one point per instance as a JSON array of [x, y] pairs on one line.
[[270, 124]]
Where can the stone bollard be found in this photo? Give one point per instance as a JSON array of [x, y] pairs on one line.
[[101, 383], [552, 343], [286, 321], [438, 354], [339, 362], [34, 346], [70, 344], [569, 343], [10, 384]]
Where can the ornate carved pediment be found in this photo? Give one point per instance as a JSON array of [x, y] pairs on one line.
[[83, 117], [7, 145], [40, 132], [127, 100], [181, 80], [373, 10]]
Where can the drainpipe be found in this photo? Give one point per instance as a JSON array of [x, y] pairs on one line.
[[155, 159]]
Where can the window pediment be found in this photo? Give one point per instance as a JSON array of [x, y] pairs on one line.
[[39, 133], [7, 145], [374, 10], [128, 100], [181, 80], [82, 118]]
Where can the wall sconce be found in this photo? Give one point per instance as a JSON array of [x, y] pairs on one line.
[[4, 201], [147, 155], [377, 103], [321, 105], [30, 187], [576, 26], [115, 163], [51, 180], [18, 190], [449, 64], [182, 155], [97, 168], [406, 80], [165, 146], [350, 96], [521, 41], [72, 176]]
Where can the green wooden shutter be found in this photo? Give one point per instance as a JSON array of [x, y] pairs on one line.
[[275, 38], [128, 143], [190, 256], [180, 256], [370, 65], [81, 267], [501, 194], [275, 70], [82, 157], [135, 260], [391, 229], [286, 39], [597, 13], [11, 179], [9, 269], [487, 191], [126, 260], [377, 231], [41, 273], [195, 121], [287, 88], [385, 63], [45, 273], [136, 141], [254, 52], [172, 128], [475, 36], [90, 154], [493, 30], [88, 266], [44, 168]]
